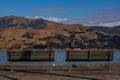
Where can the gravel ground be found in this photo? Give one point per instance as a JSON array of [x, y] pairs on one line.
[[60, 72]]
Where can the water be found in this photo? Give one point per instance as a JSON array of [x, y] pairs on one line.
[[60, 59]]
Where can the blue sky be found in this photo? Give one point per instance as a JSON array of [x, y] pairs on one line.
[[87, 12]]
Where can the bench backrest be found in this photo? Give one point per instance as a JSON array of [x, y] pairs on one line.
[[89, 55], [30, 55]]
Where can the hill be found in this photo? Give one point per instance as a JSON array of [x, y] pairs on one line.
[[110, 30], [18, 21], [51, 34], [27, 38]]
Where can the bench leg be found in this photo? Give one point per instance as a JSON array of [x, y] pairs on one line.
[[11, 67], [69, 67], [50, 66], [108, 66]]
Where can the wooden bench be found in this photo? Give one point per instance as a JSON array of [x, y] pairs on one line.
[[89, 55], [30, 56]]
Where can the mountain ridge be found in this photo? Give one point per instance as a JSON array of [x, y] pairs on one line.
[[19, 21], [110, 30], [51, 34]]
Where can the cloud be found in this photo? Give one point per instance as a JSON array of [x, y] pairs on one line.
[[50, 18], [53, 10], [106, 17], [77, 21], [27, 17], [91, 23], [110, 24]]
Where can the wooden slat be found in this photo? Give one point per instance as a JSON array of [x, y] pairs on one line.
[[38, 55], [89, 55], [77, 56]]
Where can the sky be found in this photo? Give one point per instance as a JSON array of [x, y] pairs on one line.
[[86, 12]]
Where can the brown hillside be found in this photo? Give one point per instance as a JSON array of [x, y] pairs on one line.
[[18, 21], [25, 33], [27, 38]]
